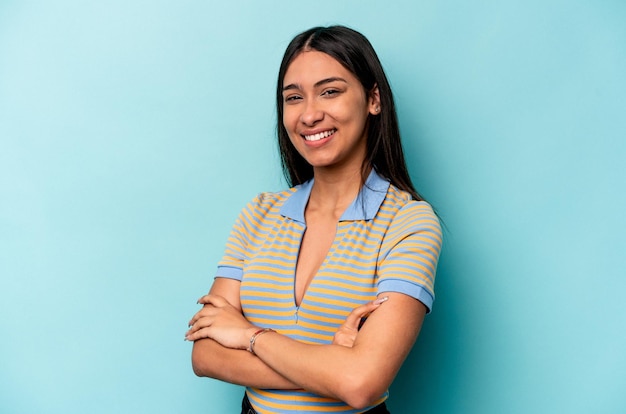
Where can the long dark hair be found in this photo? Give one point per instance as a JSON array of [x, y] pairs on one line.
[[355, 53]]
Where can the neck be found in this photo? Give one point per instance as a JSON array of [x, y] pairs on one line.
[[334, 191]]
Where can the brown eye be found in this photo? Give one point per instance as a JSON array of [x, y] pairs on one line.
[[292, 98], [330, 92]]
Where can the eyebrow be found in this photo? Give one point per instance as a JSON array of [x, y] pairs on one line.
[[317, 84]]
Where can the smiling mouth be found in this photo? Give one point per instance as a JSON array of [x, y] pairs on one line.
[[320, 135]]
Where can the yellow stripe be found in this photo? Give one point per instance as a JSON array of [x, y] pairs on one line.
[[263, 302], [280, 287], [325, 290], [314, 406], [347, 275]]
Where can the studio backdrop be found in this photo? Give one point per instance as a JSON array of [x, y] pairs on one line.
[[133, 132]]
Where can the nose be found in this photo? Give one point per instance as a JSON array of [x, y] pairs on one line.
[[311, 114]]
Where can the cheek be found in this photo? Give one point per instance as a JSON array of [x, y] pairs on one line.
[[347, 112], [289, 120], [289, 124]]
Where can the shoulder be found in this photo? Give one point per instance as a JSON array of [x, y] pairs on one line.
[[266, 203], [273, 198], [407, 216], [404, 206], [269, 200]]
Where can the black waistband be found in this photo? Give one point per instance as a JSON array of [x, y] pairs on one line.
[[246, 407]]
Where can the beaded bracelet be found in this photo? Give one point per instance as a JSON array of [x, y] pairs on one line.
[[255, 336]]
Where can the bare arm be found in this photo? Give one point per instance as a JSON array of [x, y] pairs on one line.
[[210, 359], [357, 375]]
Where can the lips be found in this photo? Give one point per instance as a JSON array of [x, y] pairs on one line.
[[320, 135]]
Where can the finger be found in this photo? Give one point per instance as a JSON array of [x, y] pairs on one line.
[[204, 312], [354, 318], [202, 300], [344, 339], [196, 316], [200, 324], [199, 334], [215, 300]]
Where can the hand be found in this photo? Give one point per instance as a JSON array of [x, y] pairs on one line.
[[222, 322], [346, 335]]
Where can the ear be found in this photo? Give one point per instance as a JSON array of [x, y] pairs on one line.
[[374, 101]]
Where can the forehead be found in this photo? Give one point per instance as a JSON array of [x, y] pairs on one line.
[[312, 66]]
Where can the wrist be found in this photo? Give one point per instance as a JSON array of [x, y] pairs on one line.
[[255, 335], [246, 335]]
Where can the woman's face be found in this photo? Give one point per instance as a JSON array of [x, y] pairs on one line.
[[325, 111]]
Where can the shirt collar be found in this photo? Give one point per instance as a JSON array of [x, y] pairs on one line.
[[363, 207]]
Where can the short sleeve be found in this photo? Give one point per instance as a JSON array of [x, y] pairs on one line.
[[410, 252], [231, 265]]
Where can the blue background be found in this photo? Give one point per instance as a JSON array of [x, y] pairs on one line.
[[132, 132]]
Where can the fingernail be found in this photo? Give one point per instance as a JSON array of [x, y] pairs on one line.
[[381, 300]]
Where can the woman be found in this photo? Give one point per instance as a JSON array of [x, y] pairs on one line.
[[323, 287]]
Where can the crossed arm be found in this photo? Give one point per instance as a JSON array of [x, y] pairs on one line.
[[356, 369], [211, 359]]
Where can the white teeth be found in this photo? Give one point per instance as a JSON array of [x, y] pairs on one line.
[[317, 137]]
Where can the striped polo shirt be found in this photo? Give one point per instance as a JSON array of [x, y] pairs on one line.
[[385, 241]]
